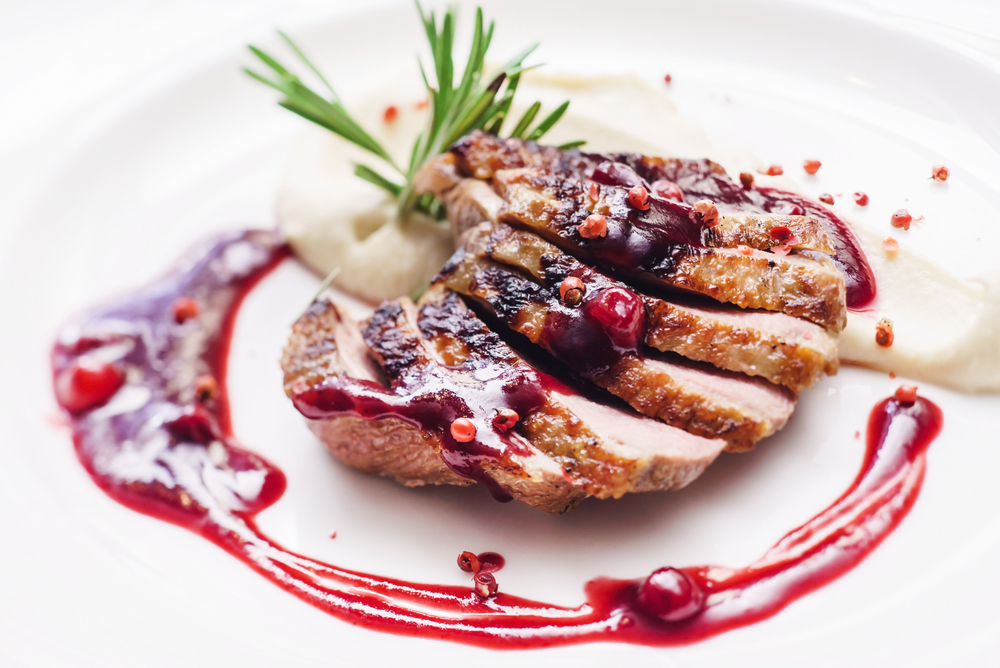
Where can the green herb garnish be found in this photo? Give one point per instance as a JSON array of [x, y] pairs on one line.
[[475, 103]]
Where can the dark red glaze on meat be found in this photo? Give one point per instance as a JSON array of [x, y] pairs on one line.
[[701, 179], [154, 449], [433, 399]]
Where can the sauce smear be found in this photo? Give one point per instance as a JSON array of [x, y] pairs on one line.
[[153, 439]]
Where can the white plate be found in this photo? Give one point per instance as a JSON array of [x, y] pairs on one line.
[[87, 582]]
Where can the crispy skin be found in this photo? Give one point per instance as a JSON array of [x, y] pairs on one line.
[[325, 343], [609, 452], [546, 190], [784, 350], [607, 455], [698, 398], [798, 285], [481, 156]]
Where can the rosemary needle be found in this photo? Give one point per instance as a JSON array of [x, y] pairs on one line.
[[477, 102]]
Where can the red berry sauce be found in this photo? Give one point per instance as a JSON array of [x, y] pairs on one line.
[[702, 179], [154, 458]]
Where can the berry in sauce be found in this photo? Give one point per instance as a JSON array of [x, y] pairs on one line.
[[668, 190], [671, 594], [87, 383], [620, 313]]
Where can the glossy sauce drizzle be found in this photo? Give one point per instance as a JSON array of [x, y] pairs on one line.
[[155, 445], [702, 179]]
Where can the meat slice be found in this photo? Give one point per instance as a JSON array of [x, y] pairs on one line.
[[608, 454], [742, 221], [665, 252], [698, 398], [606, 450], [325, 344], [746, 211], [785, 350]]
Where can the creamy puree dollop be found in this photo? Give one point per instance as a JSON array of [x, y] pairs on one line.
[[947, 329]]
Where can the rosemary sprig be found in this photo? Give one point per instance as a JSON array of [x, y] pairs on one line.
[[477, 102]]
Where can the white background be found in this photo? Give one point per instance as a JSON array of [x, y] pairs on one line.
[[69, 66]]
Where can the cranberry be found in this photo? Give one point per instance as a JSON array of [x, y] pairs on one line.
[[390, 114], [638, 198], [185, 309], [901, 218], [890, 245], [594, 226], [939, 173], [621, 314], [811, 166], [668, 190], [671, 594], [826, 198], [906, 394], [883, 333], [571, 290], [707, 211], [484, 584], [667, 78], [463, 430], [746, 180], [505, 419], [87, 383], [468, 562], [860, 198], [774, 170]]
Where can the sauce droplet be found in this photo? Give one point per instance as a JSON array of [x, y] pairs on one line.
[[87, 383]]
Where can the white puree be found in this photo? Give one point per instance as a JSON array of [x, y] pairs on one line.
[[947, 330]]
